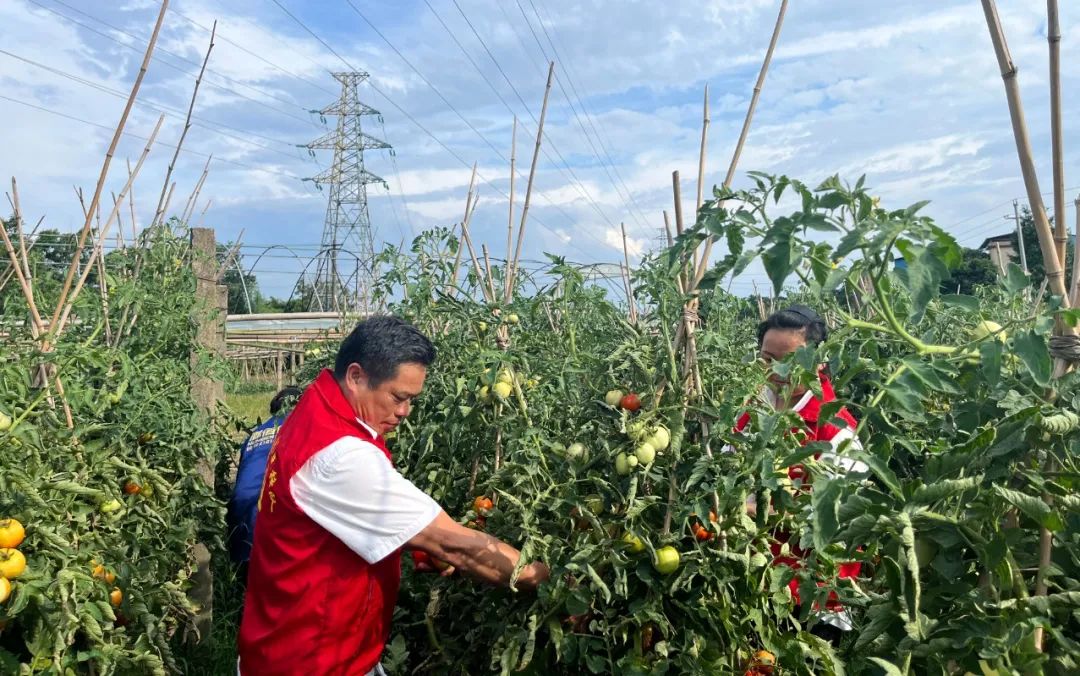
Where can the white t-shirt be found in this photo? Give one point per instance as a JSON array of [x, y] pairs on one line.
[[351, 489]]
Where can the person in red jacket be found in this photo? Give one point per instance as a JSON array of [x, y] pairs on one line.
[[334, 516], [781, 334]]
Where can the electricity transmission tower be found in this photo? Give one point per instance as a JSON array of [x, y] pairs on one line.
[[344, 270]]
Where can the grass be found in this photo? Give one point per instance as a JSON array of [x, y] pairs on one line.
[[251, 407]]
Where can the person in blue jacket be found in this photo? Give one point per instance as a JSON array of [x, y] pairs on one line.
[[243, 506]]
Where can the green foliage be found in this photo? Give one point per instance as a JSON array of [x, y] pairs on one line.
[[135, 421]]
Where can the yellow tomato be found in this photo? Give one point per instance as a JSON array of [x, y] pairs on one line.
[[5, 589], [11, 533], [667, 560], [12, 563]]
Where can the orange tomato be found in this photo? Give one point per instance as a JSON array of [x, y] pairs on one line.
[[702, 533], [5, 589], [764, 662], [11, 533], [116, 597], [132, 488], [482, 505], [12, 563], [102, 573]]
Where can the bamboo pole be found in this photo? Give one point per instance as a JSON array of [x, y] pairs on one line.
[[472, 252], [1076, 256], [1054, 273], [703, 263], [103, 233], [629, 285], [676, 189], [704, 146], [508, 290], [487, 270], [193, 198], [19, 228], [162, 206], [70, 276], [1053, 37], [667, 229], [532, 172], [465, 217]]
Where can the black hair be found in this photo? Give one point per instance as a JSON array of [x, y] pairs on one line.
[[795, 318], [282, 397], [379, 345]]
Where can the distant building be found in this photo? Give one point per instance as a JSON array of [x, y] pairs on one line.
[[1001, 249]]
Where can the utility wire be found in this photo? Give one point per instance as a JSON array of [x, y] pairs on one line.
[[144, 138], [577, 182], [570, 76], [422, 128], [162, 50], [253, 54], [162, 108]]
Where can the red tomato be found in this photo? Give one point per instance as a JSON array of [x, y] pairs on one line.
[[482, 505], [631, 402]]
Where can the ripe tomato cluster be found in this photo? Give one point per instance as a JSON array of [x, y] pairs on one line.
[[12, 561]]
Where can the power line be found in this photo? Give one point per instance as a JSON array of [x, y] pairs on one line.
[[570, 76], [144, 138], [573, 177], [176, 56], [577, 182], [421, 126], [256, 55], [160, 108]]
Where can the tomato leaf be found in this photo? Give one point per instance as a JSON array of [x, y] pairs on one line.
[[1031, 347]]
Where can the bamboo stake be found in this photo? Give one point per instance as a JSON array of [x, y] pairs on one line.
[[468, 207], [103, 232], [472, 254], [1054, 273], [508, 291], [629, 285], [1053, 37], [667, 229], [676, 189], [532, 173], [704, 146], [1076, 257], [202, 216], [162, 205], [487, 270], [193, 198], [625, 274], [131, 204], [19, 229], [70, 277], [737, 153]]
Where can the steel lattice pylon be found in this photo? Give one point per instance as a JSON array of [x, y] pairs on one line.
[[343, 274]]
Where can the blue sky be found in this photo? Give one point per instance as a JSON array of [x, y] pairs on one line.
[[908, 93]]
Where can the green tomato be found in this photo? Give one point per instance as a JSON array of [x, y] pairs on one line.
[[638, 430], [633, 543], [613, 397], [5, 422], [110, 506], [666, 561], [576, 451], [481, 326], [660, 438], [987, 329], [622, 464], [512, 318], [645, 453], [502, 390]]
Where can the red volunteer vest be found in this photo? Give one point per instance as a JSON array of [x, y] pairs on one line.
[[313, 606], [813, 430]]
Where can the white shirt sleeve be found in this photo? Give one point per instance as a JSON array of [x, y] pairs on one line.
[[351, 489], [844, 440]]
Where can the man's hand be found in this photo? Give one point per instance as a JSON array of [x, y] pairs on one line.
[[476, 554], [426, 563]]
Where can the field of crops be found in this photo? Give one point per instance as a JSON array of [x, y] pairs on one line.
[[966, 525], [596, 432]]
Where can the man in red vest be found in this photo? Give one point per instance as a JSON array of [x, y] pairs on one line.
[[334, 515]]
